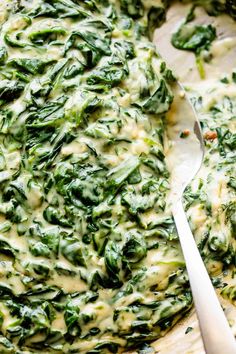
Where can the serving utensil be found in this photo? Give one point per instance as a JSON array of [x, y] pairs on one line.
[[184, 158]]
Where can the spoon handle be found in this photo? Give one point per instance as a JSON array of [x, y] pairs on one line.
[[216, 334]]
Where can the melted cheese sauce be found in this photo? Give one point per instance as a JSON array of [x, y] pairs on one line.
[[158, 280]]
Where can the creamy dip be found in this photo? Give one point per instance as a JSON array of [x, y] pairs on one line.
[[90, 258]]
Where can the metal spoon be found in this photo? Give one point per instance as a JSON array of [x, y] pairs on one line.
[[184, 158]]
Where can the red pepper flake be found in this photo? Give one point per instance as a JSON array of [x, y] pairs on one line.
[[210, 135], [185, 133]]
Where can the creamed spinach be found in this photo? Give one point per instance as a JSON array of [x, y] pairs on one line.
[[90, 260]]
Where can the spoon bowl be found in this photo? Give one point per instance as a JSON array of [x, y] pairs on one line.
[[185, 146]]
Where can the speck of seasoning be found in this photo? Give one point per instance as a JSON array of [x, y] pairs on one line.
[[224, 80], [184, 134], [234, 76], [188, 329], [210, 135]]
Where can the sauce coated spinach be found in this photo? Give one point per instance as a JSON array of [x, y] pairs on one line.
[[90, 259]]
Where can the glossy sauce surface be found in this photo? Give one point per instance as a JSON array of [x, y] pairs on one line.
[[90, 259]]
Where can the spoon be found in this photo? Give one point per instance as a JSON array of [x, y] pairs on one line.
[[184, 159]]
